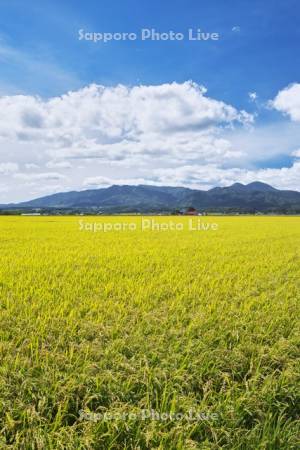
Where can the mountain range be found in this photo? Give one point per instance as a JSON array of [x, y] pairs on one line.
[[255, 196]]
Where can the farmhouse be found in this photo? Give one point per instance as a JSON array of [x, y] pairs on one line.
[[190, 212]]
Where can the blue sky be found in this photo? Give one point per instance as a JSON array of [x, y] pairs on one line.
[[258, 52], [263, 56]]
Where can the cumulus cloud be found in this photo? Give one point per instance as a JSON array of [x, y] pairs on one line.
[[173, 134], [287, 101], [121, 123]]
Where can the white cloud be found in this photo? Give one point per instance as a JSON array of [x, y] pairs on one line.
[[122, 123], [31, 166], [211, 175], [8, 168], [58, 165], [287, 101], [168, 134], [38, 191], [205, 177], [252, 96], [33, 177], [99, 182]]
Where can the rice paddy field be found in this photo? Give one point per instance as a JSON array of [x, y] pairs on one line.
[[149, 339]]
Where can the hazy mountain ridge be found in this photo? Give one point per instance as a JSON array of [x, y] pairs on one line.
[[256, 195]]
